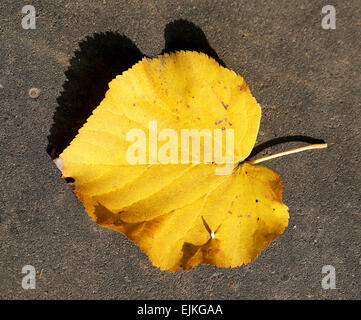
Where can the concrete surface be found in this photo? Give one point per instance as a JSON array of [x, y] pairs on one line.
[[307, 80]]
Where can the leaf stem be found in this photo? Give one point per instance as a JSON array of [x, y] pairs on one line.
[[284, 153]]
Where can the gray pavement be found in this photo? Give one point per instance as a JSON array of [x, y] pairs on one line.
[[306, 79]]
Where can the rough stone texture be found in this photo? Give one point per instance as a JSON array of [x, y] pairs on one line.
[[307, 80]]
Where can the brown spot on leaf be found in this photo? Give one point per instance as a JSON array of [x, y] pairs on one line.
[[225, 106]]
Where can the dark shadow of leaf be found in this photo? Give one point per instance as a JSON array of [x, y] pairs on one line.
[[100, 58]]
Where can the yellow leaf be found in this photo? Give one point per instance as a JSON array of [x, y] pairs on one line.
[[175, 204]]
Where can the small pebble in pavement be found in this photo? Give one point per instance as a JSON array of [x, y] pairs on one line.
[[34, 93]]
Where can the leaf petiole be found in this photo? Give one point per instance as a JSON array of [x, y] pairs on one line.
[[285, 153]]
